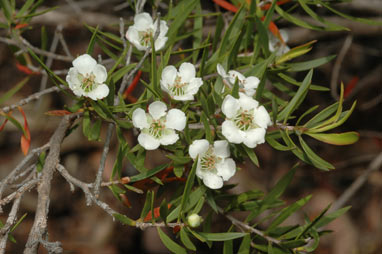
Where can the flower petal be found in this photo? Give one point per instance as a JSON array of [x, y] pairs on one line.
[[163, 29], [221, 71], [72, 78], [235, 74], [169, 138], [230, 106], [212, 181], [221, 148], [232, 133], [140, 119], [226, 169], [187, 72], [84, 64], [100, 92], [176, 119], [157, 109], [168, 75], [246, 102], [133, 36], [100, 73], [198, 147], [194, 85], [148, 142], [143, 21], [251, 82], [262, 117], [186, 97], [160, 42], [254, 137]]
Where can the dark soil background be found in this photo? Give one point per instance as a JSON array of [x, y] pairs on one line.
[[84, 229]]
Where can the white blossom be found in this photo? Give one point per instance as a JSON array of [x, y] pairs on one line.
[[276, 45], [194, 220], [247, 85], [214, 165], [158, 126], [181, 85], [246, 122], [86, 78], [144, 29]]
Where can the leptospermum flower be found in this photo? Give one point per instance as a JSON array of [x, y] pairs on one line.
[[247, 85], [246, 122], [144, 29], [181, 85], [86, 78], [276, 45], [158, 126], [214, 165]]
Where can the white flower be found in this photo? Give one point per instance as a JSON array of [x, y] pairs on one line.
[[158, 126], [213, 166], [245, 122], [275, 44], [86, 78], [181, 85], [194, 220], [247, 85], [144, 29]]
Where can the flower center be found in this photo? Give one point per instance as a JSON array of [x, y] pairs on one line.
[[87, 82], [157, 128], [178, 88], [209, 160], [244, 120], [145, 37]]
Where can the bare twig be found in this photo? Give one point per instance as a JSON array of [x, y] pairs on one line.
[[39, 228], [144, 225], [15, 172], [32, 97], [353, 188], [25, 187], [105, 151], [337, 66], [5, 230]]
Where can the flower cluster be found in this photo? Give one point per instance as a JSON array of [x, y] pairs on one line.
[[181, 85], [245, 121], [144, 29], [86, 78], [158, 126], [214, 165]]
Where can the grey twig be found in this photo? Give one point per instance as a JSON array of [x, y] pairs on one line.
[[24, 188], [19, 168], [144, 225], [39, 228], [337, 66], [105, 151], [5, 230], [32, 97], [374, 165]]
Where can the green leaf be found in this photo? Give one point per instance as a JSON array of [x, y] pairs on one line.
[[297, 99], [286, 212], [186, 239], [14, 122], [207, 129], [251, 154], [179, 15], [92, 42], [7, 9], [228, 247], [147, 206], [329, 25], [295, 52], [188, 186], [124, 219], [13, 90], [170, 244], [216, 237], [25, 7], [245, 245], [307, 65], [148, 174], [331, 216], [297, 21], [315, 160], [321, 116], [339, 139]]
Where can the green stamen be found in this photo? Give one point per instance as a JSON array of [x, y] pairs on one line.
[[178, 89], [244, 120]]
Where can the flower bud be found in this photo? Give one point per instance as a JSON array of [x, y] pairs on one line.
[[194, 220]]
